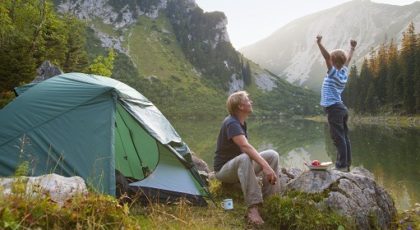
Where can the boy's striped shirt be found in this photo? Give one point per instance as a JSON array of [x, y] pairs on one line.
[[333, 86]]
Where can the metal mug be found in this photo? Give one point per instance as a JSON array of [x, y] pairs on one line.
[[227, 204]]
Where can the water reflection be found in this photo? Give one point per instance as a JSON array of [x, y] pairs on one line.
[[392, 155]]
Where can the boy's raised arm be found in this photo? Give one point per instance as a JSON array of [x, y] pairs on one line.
[[353, 44], [324, 52]]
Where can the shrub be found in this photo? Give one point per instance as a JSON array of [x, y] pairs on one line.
[[92, 212], [301, 211]]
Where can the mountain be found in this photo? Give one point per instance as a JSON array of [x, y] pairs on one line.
[[291, 51], [181, 58]]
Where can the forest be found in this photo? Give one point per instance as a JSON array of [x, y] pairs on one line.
[[389, 79], [32, 32]]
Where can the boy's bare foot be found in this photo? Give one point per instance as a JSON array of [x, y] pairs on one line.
[[253, 216]]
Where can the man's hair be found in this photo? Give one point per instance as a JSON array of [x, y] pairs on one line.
[[234, 100], [338, 58]]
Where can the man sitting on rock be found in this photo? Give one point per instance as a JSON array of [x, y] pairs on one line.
[[236, 160]]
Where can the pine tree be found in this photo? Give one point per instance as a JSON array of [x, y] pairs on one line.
[[392, 91], [408, 60], [362, 87], [417, 76], [30, 33], [247, 74], [381, 74], [371, 99], [6, 25], [75, 56], [350, 92]]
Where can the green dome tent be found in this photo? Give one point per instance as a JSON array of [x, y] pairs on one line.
[[93, 126]]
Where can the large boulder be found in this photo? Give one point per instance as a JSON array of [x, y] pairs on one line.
[[46, 71], [58, 188], [354, 194]]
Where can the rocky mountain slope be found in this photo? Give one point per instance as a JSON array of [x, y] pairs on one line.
[[176, 55], [291, 51]]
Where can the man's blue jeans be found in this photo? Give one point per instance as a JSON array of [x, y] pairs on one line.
[[337, 121]]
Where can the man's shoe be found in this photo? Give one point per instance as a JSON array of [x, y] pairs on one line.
[[345, 169]]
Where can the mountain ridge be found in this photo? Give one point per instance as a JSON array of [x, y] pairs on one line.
[[291, 52], [172, 49]]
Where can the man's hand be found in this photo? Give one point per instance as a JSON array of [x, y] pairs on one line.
[[270, 174], [353, 43], [318, 38]]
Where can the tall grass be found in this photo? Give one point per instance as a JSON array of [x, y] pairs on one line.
[[94, 211]]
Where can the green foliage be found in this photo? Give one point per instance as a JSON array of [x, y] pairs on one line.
[[102, 65], [409, 219], [6, 97], [221, 190], [91, 212], [286, 100], [158, 69], [22, 169], [76, 58], [246, 73], [30, 33], [300, 211]]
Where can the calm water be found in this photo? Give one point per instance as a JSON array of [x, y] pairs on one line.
[[392, 155]]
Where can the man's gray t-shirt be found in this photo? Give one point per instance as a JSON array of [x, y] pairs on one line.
[[226, 149]]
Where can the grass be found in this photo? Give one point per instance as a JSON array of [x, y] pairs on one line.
[[95, 211], [301, 211], [158, 58], [387, 120], [22, 211], [294, 210], [410, 219]]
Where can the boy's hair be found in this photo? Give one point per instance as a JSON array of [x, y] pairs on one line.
[[234, 100], [338, 58]]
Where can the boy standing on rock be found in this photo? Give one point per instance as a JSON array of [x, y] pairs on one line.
[[332, 87]]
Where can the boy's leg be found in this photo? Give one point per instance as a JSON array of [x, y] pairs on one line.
[[272, 158], [336, 124], [240, 169], [348, 145]]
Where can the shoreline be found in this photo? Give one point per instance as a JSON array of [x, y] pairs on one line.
[[385, 120]]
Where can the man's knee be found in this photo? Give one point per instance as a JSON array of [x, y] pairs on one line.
[[270, 154], [244, 160]]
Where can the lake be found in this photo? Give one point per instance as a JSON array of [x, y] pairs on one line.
[[391, 154]]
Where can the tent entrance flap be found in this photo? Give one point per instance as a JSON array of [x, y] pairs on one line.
[[136, 151], [157, 184]]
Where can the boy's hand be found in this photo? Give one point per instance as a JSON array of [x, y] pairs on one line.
[[318, 38], [353, 43]]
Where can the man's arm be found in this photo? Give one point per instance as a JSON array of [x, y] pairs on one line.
[[353, 45], [324, 52], [247, 148]]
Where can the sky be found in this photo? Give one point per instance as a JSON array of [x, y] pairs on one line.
[[252, 20]]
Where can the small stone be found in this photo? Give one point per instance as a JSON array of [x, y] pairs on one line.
[[417, 210]]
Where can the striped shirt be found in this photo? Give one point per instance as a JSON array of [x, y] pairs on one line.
[[333, 86]]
